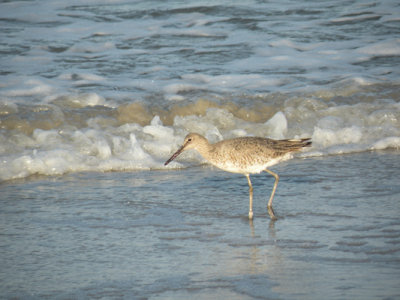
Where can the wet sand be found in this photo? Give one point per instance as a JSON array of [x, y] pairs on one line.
[[177, 234]]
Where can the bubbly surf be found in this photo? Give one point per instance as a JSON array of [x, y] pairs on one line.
[[112, 86]]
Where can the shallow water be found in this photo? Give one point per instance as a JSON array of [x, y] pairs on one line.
[[95, 97], [177, 234]]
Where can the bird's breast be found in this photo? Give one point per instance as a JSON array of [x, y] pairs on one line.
[[247, 166]]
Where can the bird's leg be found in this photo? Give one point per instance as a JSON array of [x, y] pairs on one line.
[[269, 206], [250, 197]]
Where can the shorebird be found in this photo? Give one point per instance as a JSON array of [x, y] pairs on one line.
[[245, 155]]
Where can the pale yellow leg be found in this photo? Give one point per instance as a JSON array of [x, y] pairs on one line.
[[250, 197], [269, 206]]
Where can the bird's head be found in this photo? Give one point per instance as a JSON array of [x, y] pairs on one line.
[[192, 141]]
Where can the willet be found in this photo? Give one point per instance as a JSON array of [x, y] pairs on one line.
[[245, 155]]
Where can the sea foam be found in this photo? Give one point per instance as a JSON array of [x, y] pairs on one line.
[[92, 137], [116, 85]]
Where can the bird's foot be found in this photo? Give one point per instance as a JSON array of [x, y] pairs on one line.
[[250, 215], [271, 213]]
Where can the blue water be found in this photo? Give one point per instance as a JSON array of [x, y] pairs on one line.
[[107, 86], [164, 50], [181, 234], [95, 96]]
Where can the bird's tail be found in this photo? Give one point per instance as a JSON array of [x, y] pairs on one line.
[[292, 145], [306, 142]]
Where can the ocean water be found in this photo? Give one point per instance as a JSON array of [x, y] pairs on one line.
[[116, 85], [185, 234], [95, 96]]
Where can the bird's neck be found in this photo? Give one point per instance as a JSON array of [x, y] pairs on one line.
[[205, 149]]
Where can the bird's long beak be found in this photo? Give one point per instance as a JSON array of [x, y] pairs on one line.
[[175, 154]]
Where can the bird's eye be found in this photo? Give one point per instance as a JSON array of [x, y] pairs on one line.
[[189, 140]]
